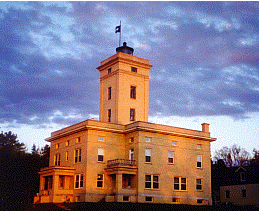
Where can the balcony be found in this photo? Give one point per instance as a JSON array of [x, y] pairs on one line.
[[121, 162], [123, 166]]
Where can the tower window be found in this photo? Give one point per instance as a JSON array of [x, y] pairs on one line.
[[133, 92], [109, 115], [57, 160], [109, 70], [78, 155], [109, 93], [132, 114], [134, 69]]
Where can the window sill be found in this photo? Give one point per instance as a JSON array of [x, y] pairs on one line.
[[101, 162], [152, 189], [170, 163], [100, 188], [199, 190], [148, 163], [200, 168], [180, 190]]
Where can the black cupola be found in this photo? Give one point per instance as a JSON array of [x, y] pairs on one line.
[[125, 49]]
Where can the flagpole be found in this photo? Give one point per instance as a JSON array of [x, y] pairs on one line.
[[120, 35]]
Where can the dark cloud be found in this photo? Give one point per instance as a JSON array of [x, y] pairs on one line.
[[205, 57]]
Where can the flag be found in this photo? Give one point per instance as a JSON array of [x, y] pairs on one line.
[[118, 29]]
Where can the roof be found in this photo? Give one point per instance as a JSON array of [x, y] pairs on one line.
[[135, 126]]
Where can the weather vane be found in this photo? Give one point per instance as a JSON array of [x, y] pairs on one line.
[[118, 29]]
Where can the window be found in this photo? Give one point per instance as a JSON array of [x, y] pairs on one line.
[[100, 180], [148, 155], [244, 193], [133, 92], [199, 161], [180, 183], [132, 114], [177, 200], [109, 70], [57, 146], [61, 182], [199, 201], [174, 143], [149, 198], [67, 143], [131, 140], [100, 138], [147, 139], [78, 140], [57, 159], [199, 184], [242, 176], [109, 93], [79, 181], [78, 155], [134, 69], [170, 157], [152, 181], [198, 146], [109, 115], [100, 155], [125, 198], [131, 154], [227, 194], [48, 182], [67, 156]]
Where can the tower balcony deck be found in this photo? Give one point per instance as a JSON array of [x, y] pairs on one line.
[[120, 165]]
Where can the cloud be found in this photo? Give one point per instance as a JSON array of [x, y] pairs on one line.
[[205, 57]]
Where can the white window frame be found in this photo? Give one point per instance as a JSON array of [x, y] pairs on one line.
[[101, 138], [153, 182], [131, 154], [199, 161], [101, 180], [132, 114], [148, 155], [174, 143], [199, 146], [170, 157], [79, 179], [199, 182], [100, 152], [147, 140], [180, 178]]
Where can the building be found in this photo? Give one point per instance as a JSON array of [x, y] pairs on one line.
[[122, 157], [236, 185]]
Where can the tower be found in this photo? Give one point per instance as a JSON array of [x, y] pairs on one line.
[[124, 87]]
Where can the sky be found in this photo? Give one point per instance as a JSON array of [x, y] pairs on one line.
[[205, 58]]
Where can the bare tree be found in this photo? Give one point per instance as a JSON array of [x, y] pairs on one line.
[[233, 156]]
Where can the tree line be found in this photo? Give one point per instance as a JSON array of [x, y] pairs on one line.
[[19, 178], [237, 156]]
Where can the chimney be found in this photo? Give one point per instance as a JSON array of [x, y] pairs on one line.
[[205, 127]]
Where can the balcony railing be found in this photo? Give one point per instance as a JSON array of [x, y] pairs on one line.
[[121, 162]]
